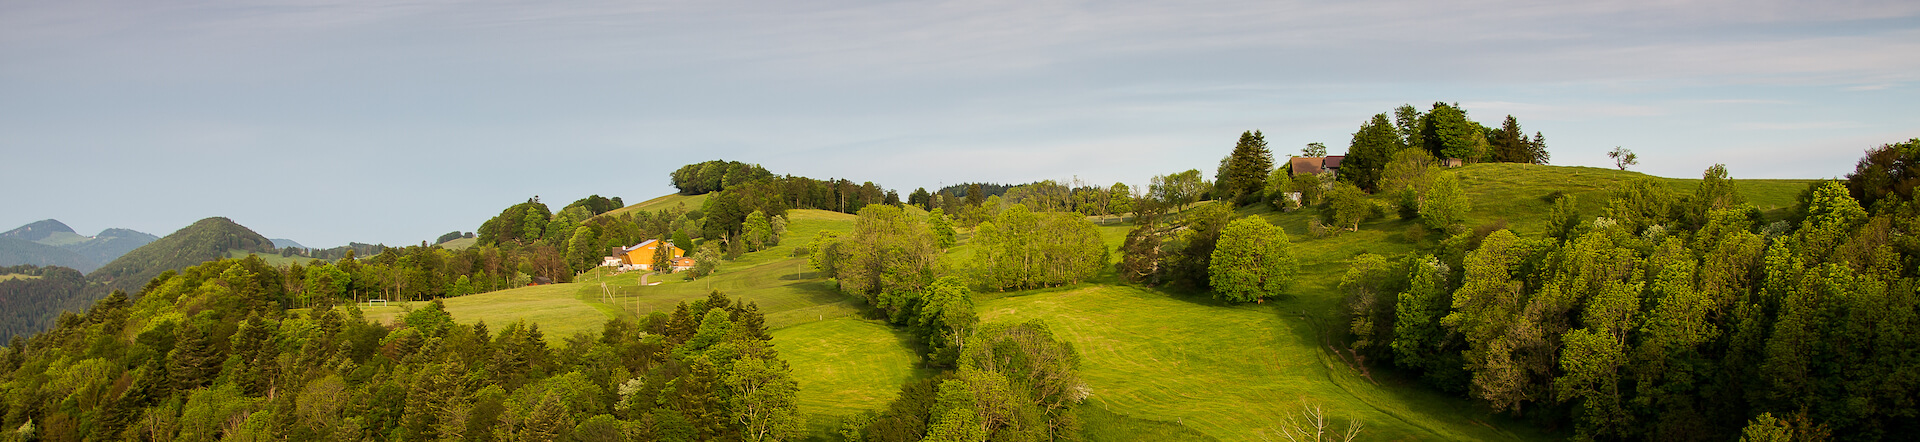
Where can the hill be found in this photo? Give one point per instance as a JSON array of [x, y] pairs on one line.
[[110, 244], [38, 230], [16, 251], [281, 243], [204, 240], [66, 248]]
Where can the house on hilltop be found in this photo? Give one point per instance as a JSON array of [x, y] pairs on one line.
[[1315, 165], [640, 256]]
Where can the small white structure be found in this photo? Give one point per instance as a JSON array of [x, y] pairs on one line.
[[611, 261]]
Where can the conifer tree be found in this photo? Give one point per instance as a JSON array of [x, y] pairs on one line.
[[1243, 174]]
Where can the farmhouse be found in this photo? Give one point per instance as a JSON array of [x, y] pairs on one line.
[[640, 256], [1315, 165]]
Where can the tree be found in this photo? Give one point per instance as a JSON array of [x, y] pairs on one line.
[[942, 228], [1623, 157], [1417, 312], [1372, 148], [888, 259], [1311, 425], [1449, 134], [1178, 189], [1280, 190], [920, 198], [757, 231], [1445, 206], [762, 400], [1243, 174], [1120, 199], [1254, 260], [1347, 206], [1890, 171], [947, 315], [681, 240], [1314, 149], [583, 249], [1020, 249], [1510, 145]]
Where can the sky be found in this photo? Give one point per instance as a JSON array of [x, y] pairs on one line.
[[397, 121]]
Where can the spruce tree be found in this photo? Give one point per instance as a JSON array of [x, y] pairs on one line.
[[1243, 174]]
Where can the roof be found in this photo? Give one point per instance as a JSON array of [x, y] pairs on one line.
[[642, 244], [1332, 162], [1306, 165]]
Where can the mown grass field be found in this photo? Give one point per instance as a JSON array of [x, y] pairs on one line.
[[846, 366], [1230, 372]]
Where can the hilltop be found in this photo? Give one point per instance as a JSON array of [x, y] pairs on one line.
[[204, 240], [69, 249]]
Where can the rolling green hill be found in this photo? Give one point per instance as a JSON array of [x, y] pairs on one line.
[[204, 240]]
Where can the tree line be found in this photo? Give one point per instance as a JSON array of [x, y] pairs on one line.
[[1670, 317]]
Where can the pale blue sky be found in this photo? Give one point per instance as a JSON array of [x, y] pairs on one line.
[[328, 122]]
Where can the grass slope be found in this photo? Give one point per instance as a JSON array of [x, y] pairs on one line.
[[1226, 371], [1517, 193], [693, 202], [783, 286], [556, 307], [459, 243], [846, 366]]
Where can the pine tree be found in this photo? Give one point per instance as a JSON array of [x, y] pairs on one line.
[[193, 362], [1243, 174], [1367, 156]]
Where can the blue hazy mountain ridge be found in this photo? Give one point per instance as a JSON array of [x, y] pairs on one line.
[[15, 251], [66, 248]]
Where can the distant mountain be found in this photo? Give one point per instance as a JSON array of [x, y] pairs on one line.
[[15, 251], [38, 230], [110, 244], [281, 243], [63, 247], [206, 240]]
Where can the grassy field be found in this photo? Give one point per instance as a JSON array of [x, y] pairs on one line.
[[1229, 371], [558, 308], [1517, 193], [13, 276], [459, 243], [662, 202], [846, 366], [782, 285], [273, 259]]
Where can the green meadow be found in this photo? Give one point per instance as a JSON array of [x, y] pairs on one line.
[[1160, 364]]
